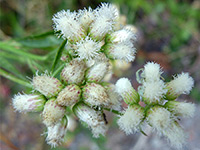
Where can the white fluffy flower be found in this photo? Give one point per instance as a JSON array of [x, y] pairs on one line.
[[176, 135], [182, 84], [28, 102], [56, 133], [123, 35], [122, 51], [86, 17], [105, 19], [87, 48], [182, 109], [131, 119], [152, 72], [125, 89], [153, 91], [159, 118], [47, 85], [66, 22], [94, 119]]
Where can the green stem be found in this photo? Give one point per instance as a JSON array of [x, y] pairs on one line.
[[20, 52], [15, 79], [58, 55], [114, 111]]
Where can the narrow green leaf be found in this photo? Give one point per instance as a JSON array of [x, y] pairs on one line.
[[5, 46], [58, 55], [9, 66], [14, 79]]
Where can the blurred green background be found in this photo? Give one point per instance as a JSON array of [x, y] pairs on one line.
[[168, 33]]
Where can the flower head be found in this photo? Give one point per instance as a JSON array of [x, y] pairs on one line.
[[182, 84], [176, 135], [152, 72], [94, 119], [95, 95], [87, 48], [47, 85], [74, 72], [56, 133], [154, 91], [52, 113], [28, 102], [129, 122], [69, 95], [125, 89], [159, 118], [66, 22], [122, 51], [182, 109]]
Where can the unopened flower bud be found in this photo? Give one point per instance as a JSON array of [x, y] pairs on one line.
[[28, 102], [94, 119], [182, 84], [182, 109], [153, 91], [52, 113], [125, 89], [56, 133], [114, 97], [159, 118], [46, 85], [69, 95], [95, 95], [97, 71], [123, 51], [129, 122], [74, 72]]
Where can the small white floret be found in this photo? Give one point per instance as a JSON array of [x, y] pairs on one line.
[[182, 109], [122, 51], [66, 22], [86, 17], [56, 133], [176, 135], [154, 91], [152, 72], [159, 118], [182, 84], [94, 119], [129, 122], [123, 35], [28, 102], [87, 48]]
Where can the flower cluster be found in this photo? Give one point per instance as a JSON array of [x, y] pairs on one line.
[[94, 41], [92, 32], [161, 110]]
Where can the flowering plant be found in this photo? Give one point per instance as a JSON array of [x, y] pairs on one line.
[[92, 40]]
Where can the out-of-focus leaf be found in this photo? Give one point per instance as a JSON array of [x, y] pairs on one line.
[[40, 42], [10, 67]]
